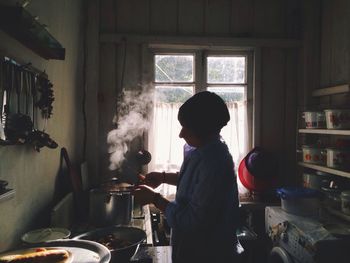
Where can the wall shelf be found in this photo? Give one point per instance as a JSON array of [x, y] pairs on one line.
[[21, 25], [325, 169], [331, 90], [325, 131]]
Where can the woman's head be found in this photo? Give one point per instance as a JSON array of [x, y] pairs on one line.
[[204, 114]]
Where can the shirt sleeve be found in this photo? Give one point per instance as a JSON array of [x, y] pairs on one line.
[[206, 203]]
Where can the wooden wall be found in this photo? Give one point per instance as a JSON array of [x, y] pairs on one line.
[[326, 50], [271, 27], [33, 175], [335, 43], [335, 49]]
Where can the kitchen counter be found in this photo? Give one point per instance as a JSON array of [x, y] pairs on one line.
[[159, 254]]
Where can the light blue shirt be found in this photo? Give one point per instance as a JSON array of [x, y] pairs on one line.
[[204, 215]]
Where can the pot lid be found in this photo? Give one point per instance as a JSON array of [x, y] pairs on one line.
[[117, 187], [297, 192], [45, 234]]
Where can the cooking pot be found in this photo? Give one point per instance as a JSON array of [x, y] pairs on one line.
[[122, 241], [111, 204]]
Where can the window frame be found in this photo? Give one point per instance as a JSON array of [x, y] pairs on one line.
[[200, 77]]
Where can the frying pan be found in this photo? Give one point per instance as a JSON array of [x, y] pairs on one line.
[[126, 233]]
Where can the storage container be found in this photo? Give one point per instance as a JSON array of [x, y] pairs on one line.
[[313, 154], [314, 119], [338, 118], [345, 202], [338, 158], [300, 201]]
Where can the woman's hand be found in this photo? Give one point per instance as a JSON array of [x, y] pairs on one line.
[[153, 179], [144, 194]]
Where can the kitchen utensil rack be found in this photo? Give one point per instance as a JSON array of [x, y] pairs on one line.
[[21, 25], [23, 90]]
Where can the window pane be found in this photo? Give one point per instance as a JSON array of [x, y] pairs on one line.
[[171, 94], [174, 68], [167, 147], [230, 70], [229, 94]]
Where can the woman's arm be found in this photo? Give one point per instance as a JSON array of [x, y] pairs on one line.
[[171, 178], [154, 179]]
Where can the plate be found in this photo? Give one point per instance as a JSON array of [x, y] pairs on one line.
[[45, 234], [80, 251]]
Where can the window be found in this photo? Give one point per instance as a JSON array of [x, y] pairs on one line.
[[177, 76]]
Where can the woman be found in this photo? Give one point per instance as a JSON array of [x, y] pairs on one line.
[[204, 215]]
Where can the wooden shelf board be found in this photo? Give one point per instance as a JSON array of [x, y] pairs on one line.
[[17, 22], [156, 40], [325, 169], [331, 90], [325, 131]]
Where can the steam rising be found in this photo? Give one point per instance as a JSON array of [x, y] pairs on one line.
[[131, 122]]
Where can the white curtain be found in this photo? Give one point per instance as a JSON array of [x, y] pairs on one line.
[[235, 133], [236, 136], [165, 144], [167, 148]]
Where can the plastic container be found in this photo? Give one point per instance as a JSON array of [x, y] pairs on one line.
[[345, 202], [300, 201], [337, 118], [313, 154], [314, 119]]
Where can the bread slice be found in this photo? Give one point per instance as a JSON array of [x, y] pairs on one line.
[[40, 255]]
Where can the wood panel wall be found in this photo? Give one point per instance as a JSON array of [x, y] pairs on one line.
[[335, 51], [252, 20], [326, 56]]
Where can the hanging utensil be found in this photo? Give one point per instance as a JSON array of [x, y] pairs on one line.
[[2, 94], [19, 126], [6, 87]]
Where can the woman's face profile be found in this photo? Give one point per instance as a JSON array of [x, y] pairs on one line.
[[190, 138]]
